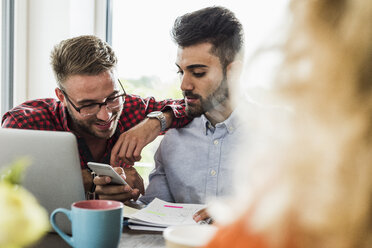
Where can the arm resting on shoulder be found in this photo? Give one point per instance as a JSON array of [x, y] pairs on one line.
[[129, 146]]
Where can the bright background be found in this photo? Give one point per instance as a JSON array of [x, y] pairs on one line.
[[141, 34]]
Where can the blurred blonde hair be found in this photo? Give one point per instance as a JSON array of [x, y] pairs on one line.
[[310, 183]]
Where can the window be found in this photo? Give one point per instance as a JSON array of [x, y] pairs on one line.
[[7, 52], [39, 26], [146, 53]]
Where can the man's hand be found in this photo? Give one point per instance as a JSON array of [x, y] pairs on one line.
[[129, 146], [87, 180], [201, 215], [122, 193], [134, 179]]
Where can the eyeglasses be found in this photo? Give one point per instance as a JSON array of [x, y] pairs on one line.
[[111, 103]]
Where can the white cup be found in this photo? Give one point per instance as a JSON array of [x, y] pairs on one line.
[[188, 236]]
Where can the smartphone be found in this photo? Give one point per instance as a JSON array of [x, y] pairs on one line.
[[106, 170]]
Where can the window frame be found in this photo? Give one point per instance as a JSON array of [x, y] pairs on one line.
[[109, 5], [7, 55]]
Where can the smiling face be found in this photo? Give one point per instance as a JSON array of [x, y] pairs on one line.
[[84, 90], [203, 81]]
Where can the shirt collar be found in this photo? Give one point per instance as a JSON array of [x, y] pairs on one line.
[[231, 123]]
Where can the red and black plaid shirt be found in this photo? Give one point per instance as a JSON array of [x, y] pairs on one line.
[[50, 114]]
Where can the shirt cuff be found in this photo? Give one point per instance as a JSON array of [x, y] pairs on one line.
[[180, 118]]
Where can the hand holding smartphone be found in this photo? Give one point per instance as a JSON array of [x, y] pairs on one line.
[[106, 170]]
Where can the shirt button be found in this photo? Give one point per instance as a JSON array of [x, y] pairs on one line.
[[213, 172], [215, 142], [231, 129]]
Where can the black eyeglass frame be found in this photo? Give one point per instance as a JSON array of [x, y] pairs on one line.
[[78, 109]]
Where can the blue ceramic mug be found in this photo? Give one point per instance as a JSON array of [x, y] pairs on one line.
[[95, 223]]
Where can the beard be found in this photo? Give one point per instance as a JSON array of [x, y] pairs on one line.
[[86, 126], [212, 101]]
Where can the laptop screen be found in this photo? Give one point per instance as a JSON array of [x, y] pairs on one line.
[[54, 176]]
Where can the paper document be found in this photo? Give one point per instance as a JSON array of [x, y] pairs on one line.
[[128, 211], [160, 213]]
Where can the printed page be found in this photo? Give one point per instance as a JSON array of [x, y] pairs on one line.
[[168, 214], [146, 228], [128, 211]]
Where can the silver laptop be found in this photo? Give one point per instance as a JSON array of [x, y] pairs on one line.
[[54, 176]]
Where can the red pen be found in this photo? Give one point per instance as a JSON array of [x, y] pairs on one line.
[[169, 206]]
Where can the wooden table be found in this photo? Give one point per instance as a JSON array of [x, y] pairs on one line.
[[129, 239]]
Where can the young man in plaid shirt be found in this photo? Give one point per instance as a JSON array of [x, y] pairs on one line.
[[110, 126]]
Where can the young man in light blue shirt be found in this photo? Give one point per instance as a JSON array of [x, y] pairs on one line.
[[195, 163]]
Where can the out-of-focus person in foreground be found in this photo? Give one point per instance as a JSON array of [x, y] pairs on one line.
[[311, 185]]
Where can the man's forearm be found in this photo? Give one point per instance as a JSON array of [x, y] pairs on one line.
[[168, 117]]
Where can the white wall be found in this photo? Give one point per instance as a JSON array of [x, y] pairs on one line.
[[41, 24]]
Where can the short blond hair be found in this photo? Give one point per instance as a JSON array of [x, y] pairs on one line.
[[84, 55]]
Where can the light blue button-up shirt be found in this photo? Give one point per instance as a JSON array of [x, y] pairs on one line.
[[195, 163]]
